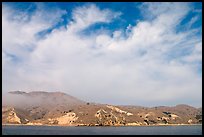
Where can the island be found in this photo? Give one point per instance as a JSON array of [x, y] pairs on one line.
[[61, 109]]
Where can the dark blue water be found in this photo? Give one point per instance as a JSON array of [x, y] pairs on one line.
[[138, 130]]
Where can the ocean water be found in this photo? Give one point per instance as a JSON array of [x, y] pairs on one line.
[[137, 130]]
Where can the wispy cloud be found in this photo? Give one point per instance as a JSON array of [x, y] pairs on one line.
[[90, 14], [149, 63]]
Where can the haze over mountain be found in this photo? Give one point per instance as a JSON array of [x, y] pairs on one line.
[[39, 98], [58, 108]]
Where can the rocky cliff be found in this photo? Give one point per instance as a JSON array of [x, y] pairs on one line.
[[45, 108]]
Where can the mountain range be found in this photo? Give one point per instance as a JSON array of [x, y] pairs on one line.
[[58, 108]]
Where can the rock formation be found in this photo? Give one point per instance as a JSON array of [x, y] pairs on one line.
[[45, 108]]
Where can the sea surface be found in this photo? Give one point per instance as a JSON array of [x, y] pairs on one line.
[[136, 130]]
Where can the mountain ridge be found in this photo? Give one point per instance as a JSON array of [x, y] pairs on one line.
[[58, 108]]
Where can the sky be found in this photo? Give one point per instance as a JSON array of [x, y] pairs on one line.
[[121, 53]]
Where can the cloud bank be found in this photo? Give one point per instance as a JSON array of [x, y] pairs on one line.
[[148, 63]]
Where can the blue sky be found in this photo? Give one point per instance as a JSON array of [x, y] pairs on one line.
[[106, 52], [130, 13]]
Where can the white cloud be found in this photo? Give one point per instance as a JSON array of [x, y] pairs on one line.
[[177, 10], [196, 54], [90, 14], [140, 69], [23, 32], [128, 29]]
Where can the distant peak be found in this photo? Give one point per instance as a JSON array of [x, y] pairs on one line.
[[45, 92], [182, 105], [17, 92], [38, 92], [58, 93]]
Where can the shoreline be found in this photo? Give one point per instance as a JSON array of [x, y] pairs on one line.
[[106, 126]]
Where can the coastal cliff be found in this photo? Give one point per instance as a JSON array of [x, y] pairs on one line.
[[56, 108]]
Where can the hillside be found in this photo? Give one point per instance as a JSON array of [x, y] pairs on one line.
[[57, 108]]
